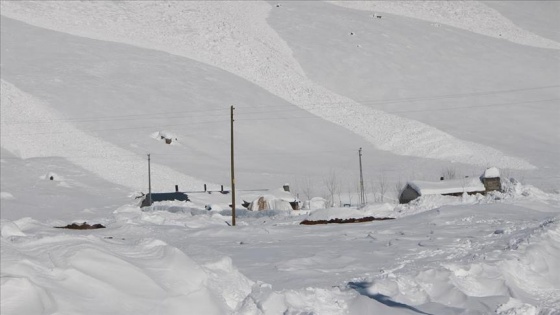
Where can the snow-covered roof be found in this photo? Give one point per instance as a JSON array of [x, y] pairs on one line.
[[280, 193], [447, 186], [491, 172]]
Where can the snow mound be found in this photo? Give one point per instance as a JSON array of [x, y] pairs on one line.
[[4, 195], [142, 277], [527, 272], [491, 172], [9, 228]]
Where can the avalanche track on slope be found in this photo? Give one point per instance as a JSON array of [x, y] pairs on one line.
[[238, 39], [93, 154], [473, 16]]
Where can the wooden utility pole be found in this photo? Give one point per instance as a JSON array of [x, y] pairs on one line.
[[149, 182], [362, 194], [232, 173]]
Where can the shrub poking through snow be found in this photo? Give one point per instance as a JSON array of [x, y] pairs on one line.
[[350, 220], [83, 226]]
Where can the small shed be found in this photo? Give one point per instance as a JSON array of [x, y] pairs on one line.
[[156, 197], [415, 189], [489, 181]]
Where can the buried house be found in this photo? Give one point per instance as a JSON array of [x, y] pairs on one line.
[[149, 198], [489, 181]]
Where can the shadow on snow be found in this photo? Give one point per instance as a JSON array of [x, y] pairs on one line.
[[362, 288]]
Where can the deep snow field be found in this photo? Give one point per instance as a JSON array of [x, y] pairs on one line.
[[425, 88]]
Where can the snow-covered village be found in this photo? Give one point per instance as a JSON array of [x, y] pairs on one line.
[[280, 157]]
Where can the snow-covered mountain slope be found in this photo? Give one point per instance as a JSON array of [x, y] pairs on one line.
[[254, 41], [481, 17], [407, 67]]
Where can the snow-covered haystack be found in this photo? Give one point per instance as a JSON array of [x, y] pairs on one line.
[[269, 202], [277, 199], [315, 203]]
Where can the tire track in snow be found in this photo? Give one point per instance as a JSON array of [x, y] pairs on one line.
[[236, 37]]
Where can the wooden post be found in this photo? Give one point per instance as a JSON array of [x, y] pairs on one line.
[[149, 183], [362, 194], [232, 173]]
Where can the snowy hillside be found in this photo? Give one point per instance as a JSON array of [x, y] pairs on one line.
[[426, 89], [447, 91]]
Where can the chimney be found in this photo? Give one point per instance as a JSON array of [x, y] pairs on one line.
[[286, 187], [441, 178], [176, 188]]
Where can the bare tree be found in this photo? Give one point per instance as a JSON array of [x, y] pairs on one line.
[[383, 186], [352, 187], [331, 183], [398, 188], [306, 187], [449, 173], [339, 193], [373, 188]]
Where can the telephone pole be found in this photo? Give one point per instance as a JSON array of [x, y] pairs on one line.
[[232, 173], [362, 194], [149, 182]]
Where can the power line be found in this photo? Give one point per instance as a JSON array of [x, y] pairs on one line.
[[182, 125], [445, 96], [119, 129], [408, 111], [296, 108]]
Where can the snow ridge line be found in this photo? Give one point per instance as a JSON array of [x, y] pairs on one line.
[[238, 39]]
